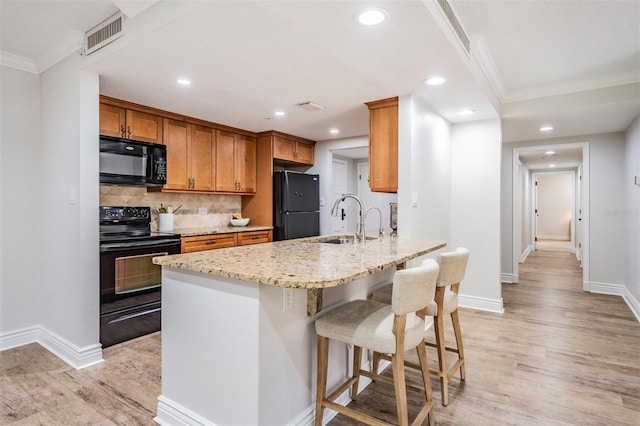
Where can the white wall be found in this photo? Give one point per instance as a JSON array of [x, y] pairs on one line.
[[632, 210], [606, 153], [475, 209], [21, 212], [49, 194], [69, 193], [424, 170]]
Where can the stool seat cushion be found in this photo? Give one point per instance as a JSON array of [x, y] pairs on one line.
[[450, 304], [368, 324]]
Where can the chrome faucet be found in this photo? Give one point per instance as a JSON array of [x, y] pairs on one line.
[[334, 212], [380, 230]]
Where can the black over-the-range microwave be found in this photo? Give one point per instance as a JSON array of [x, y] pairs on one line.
[[127, 162]]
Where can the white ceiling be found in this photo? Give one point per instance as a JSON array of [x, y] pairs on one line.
[[545, 160], [575, 65]]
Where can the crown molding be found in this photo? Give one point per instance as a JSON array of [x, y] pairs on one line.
[[480, 52], [18, 62], [65, 47]]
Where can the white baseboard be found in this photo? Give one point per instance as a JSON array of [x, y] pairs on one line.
[[526, 253], [171, 413], [73, 355], [554, 237], [617, 290], [481, 303], [509, 278]]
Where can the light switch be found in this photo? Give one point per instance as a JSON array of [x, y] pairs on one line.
[[414, 199], [636, 180], [202, 210], [321, 201]]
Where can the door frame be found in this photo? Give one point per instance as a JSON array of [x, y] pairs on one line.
[[534, 205], [515, 219], [346, 185]]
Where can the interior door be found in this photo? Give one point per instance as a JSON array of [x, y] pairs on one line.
[[339, 223]]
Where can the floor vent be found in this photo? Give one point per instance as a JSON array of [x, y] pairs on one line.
[[104, 33], [455, 24]]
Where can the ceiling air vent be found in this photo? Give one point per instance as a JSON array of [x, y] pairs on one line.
[[455, 24], [104, 33], [310, 106]]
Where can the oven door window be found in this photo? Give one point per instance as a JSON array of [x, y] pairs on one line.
[[135, 273]]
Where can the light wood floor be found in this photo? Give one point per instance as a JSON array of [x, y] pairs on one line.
[[557, 356]]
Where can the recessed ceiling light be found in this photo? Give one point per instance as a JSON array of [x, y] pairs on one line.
[[552, 165], [434, 81], [372, 16], [334, 131], [466, 112], [546, 128], [279, 113], [184, 81], [550, 152]]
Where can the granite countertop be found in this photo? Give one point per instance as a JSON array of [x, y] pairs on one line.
[[212, 230], [303, 263]]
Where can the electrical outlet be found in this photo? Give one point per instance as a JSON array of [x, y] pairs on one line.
[[287, 299], [202, 210]]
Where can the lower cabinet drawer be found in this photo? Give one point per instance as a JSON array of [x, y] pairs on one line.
[[254, 237], [208, 242]]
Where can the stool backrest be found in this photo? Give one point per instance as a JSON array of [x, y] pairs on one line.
[[452, 266], [414, 289]]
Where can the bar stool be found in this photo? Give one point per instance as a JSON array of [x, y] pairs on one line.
[[453, 266], [452, 270], [391, 329]]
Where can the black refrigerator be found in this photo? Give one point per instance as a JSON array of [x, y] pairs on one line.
[[296, 205]]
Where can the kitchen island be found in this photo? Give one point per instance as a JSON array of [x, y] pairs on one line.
[[238, 341]]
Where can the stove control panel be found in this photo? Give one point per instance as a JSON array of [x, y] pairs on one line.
[[125, 213]]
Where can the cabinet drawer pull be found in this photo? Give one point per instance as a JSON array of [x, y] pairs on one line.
[[256, 237], [208, 243]]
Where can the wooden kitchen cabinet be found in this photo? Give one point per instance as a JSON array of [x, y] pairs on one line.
[[235, 160], [254, 237], [293, 150], [208, 242], [190, 156], [201, 154], [130, 124], [383, 145]]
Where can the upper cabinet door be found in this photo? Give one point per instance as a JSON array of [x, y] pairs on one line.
[[112, 121], [177, 137], [289, 150], [246, 163], [144, 127], [284, 149], [235, 162], [383, 145], [202, 158], [304, 153], [225, 161]]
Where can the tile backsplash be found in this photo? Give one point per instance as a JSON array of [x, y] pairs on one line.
[[219, 207]]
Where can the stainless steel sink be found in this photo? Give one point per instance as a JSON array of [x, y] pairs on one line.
[[343, 240]]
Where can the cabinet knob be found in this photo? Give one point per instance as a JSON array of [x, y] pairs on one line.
[[123, 131], [129, 132]]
